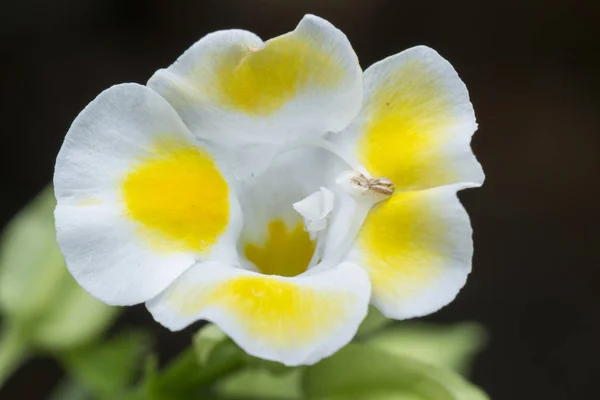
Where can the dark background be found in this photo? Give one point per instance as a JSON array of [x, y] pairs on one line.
[[533, 71]]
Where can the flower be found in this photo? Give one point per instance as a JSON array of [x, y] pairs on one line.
[[273, 189]]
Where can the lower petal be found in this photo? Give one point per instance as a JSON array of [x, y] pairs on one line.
[[297, 320], [417, 250]]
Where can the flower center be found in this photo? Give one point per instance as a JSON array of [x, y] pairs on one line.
[[286, 252], [293, 221]]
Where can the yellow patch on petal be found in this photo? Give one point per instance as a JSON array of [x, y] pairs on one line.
[[285, 253], [276, 312], [262, 81], [90, 201], [399, 247], [178, 197], [404, 129]]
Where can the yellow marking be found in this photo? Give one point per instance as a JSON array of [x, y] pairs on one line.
[[401, 245], [285, 253], [262, 81], [270, 310], [178, 197], [404, 129], [90, 201]]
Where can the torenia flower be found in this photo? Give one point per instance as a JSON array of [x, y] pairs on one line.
[[274, 189]]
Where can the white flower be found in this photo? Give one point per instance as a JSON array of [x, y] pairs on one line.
[[274, 189]]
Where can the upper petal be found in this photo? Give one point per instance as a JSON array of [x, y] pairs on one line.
[[231, 86], [297, 320], [417, 249], [416, 123], [139, 200]]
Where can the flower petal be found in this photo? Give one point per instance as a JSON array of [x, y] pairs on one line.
[[138, 200], [417, 249], [302, 83], [315, 208], [297, 320], [416, 123]]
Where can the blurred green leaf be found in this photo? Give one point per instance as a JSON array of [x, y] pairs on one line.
[[108, 368], [273, 367], [36, 289], [451, 346], [150, 370], [69, 390], [178, 380], [373, 322], [74, 319], [31, 265], [39, 299], [13, 349], [210, 336], [185, 378], [258, 379], [257, 383], [205, 341], [363, 372]]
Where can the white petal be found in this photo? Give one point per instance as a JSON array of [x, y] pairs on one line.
[[232, 87], [417, 250], [294, 321], [139, 201], [416, 123], [315, 209]]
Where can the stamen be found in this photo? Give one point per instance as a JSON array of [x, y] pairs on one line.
[[361, 211], [383, 186], [366, 192], [358, 185]]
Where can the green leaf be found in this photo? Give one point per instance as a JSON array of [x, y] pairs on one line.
[[205, 341], [76, 318], [373, 322], [185, 378], [258, 378], [69, 390], [108, 368], [363, 372], [272, 367], [31, 265], [178, 380], [36, 289], [451, 346], [210, 336], [13, 350], [257, 383]]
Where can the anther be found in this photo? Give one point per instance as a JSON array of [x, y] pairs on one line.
[[358, 184], [382, 186]]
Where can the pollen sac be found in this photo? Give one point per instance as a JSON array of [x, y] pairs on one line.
[[359, 185], [382, 186]]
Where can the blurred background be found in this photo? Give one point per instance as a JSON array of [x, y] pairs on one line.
[[532, 69]]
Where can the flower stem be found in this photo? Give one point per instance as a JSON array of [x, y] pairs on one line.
[[13, 351]]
